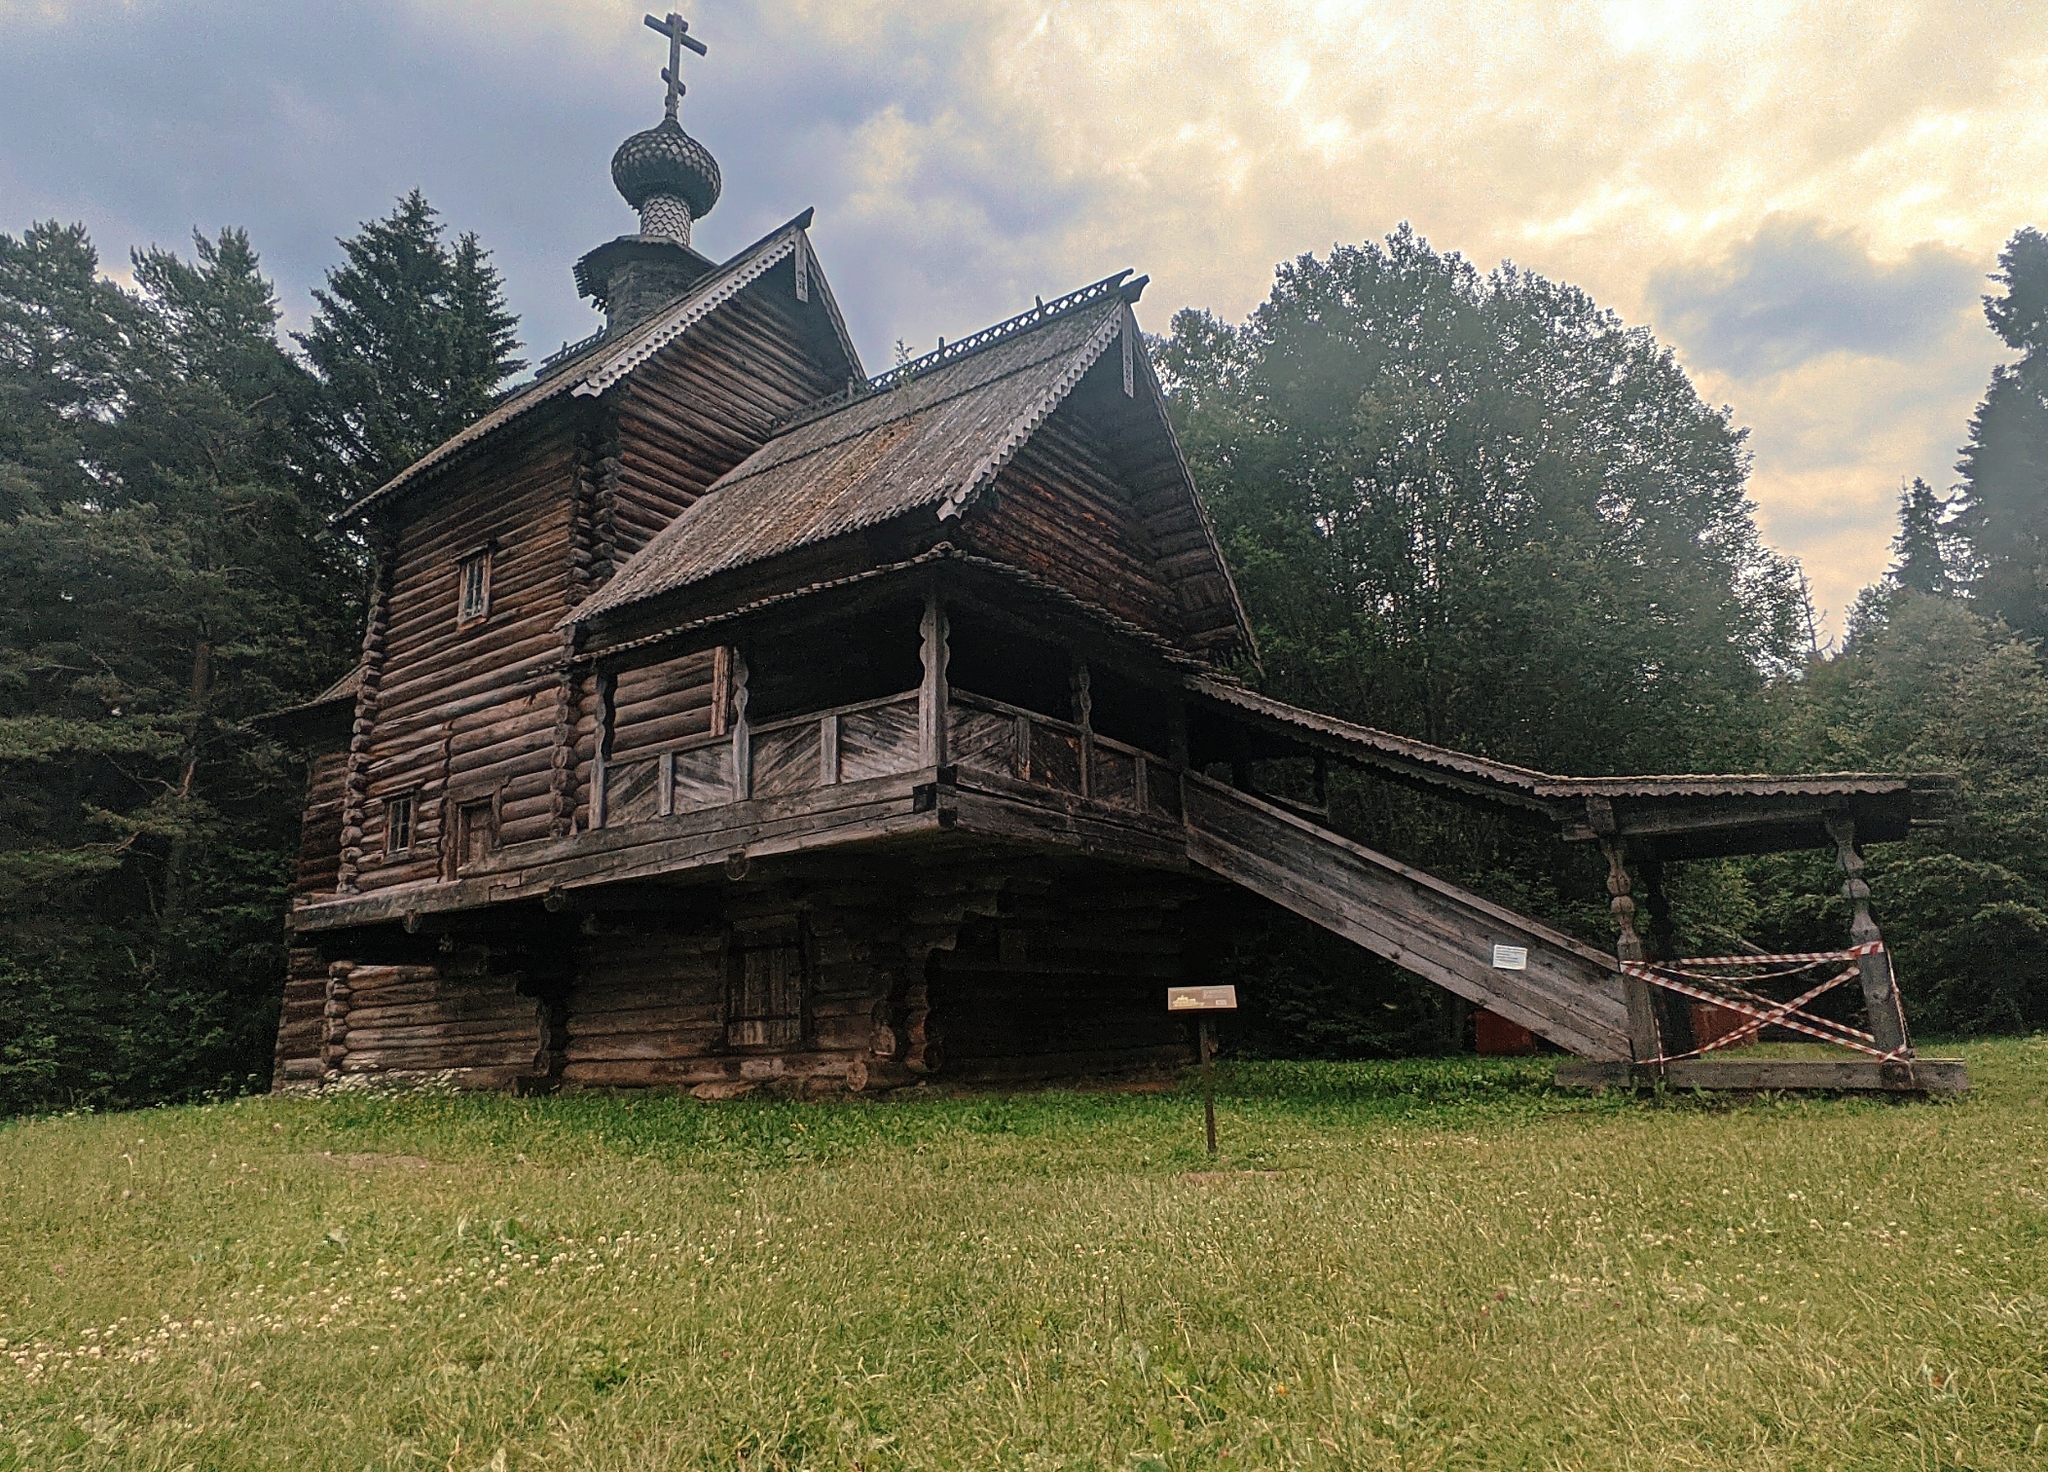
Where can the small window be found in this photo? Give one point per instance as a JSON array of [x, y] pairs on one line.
[[476, 586], [765, 1002], [398, 818]]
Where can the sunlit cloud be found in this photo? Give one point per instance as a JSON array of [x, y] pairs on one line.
[[1802, 198]]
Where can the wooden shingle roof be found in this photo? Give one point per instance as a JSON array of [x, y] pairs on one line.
[[610, 358], [931, 440]]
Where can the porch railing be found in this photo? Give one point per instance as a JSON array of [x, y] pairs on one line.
[[880, 738]]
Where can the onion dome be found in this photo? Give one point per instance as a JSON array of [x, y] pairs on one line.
[[668, 176]]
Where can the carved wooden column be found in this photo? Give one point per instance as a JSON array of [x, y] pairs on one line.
[[607, 685], [1880, 990], [742, 733], [1177, 734], [1674, 1013], [1644, 1038], [1081, 684], [934, 694], [1241, 759]]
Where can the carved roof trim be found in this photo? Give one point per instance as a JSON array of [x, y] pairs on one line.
[[606, 363]]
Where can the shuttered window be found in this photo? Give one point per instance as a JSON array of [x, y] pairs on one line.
[[476, 833], [767, 986]]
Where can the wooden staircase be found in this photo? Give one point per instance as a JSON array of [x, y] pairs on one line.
[[1567, 991]]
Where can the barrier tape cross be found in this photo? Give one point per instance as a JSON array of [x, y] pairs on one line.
[[1696, 977]]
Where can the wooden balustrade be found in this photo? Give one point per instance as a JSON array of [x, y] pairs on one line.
[[879, 738]]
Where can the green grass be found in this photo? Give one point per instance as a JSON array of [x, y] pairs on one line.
[[1432, 1264]]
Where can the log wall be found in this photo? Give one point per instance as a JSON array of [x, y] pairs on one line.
[[319, 863], [660, 704], [689, 417], [984, 969], [301, 1018], [487, 713], [460, 1017], [1061, 511], [467, 711], [1069, 979], [980, 973]]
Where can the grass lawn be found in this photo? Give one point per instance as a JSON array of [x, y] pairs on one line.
[[1431, 1264]]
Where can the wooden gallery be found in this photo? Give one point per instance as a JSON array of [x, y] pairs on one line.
[[728, 716]]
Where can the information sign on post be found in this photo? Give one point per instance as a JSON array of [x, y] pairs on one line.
[[1205, 999]]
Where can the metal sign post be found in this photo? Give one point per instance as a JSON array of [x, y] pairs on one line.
[[1205, 999]]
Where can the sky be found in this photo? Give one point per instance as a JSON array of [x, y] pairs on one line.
[[1803, 200]]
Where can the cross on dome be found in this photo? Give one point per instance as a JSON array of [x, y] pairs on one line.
[[677, 30]]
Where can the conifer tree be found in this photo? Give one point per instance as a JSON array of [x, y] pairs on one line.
[[165, 581], [64, 334], [1922, 552], [2005, 465], [411, 341]]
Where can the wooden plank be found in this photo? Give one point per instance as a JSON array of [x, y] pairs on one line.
[[703, 777], [1569, 993], [631, 794], [786, 759], [878, 741], [851, 812], [1918, 1076]]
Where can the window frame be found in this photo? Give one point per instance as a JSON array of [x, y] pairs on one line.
[[408, 804], [473, 814], [479, 557]]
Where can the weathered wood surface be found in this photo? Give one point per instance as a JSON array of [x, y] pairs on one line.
[[319, 861], [301, 1018], [693, 414], [1062, 512], [845, 813], [1917, 1076], [1570, 992], [468, 709], [876, 738], [464, 1019]]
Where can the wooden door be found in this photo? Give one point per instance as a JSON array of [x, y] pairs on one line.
[[767, 1005]]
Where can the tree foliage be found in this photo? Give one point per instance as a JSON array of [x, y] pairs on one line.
[[167, 474], [1482, 511], [411, 341], [1926, 684], [2005, 464]]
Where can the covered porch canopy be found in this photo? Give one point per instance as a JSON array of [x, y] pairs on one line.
[[1658, 817]]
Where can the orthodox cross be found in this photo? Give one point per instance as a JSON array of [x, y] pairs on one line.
[[678, 32]]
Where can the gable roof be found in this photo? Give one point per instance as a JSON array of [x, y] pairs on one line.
[[933, 439], [930, 435], [604, 361]]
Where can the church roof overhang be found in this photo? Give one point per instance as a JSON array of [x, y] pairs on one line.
[[925, 440], [609, 360], [966, 579]]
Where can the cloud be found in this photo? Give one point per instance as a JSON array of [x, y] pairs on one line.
[[1797, 290], [967, 154]]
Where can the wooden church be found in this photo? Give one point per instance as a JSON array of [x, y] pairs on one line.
[[729, 717]]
